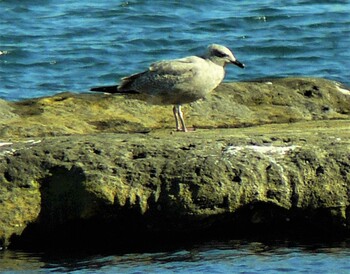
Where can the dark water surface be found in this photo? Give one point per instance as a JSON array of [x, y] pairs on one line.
[[49, 46], [213, 257]]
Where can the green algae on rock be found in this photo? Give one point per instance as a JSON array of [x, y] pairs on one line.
[[230, 105], [287, 172]]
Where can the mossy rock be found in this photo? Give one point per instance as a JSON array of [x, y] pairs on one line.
[[272, 154]]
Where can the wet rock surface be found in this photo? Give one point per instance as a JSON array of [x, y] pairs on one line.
[[271, 156]]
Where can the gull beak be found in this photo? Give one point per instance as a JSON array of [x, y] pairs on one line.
[[238, 63]]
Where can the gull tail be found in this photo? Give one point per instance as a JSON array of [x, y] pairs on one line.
[[127, 86], [112, 89], [107, 89]]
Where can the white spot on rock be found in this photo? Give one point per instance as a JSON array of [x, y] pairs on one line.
[[266, 150], [341, 89]]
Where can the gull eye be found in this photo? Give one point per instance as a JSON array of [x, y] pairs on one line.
[[220, 54]]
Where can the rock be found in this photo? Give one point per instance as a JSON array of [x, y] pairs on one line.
[[288, 172], [231, 105]]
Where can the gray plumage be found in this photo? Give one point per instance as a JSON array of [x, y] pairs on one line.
[[179, 81]]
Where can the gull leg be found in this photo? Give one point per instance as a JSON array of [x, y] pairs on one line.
[[175, 111], [180, 114]]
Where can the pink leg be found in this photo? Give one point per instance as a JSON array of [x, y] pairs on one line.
[[179, 115]]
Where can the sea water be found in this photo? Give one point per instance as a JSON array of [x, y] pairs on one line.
[[212, 257], [49, 46]]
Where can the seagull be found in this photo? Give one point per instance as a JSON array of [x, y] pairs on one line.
[[178, 81]]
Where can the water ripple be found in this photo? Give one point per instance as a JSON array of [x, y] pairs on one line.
[[212, 257], [52, 46]]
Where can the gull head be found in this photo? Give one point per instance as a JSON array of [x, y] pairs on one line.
[[222, 56]]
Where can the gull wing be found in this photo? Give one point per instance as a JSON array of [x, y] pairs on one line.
[[162, 75], [188, 65]]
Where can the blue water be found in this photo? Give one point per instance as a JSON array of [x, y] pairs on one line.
[[49, 46], [214, 257]]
